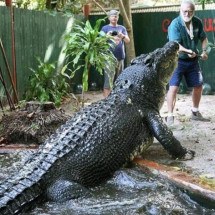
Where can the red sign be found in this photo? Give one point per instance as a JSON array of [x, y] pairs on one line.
[[209, 24]]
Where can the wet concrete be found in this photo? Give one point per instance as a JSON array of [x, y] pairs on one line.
[[130, 191]]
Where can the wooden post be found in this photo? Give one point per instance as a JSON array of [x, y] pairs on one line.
[[86, 10], [13, 50], [8, 3]]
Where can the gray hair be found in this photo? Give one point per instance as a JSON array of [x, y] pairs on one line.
[[191, 2], [113, 13]]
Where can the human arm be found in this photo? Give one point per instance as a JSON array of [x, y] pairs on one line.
[[190, 53], [176, 32], [124, 37], [204, 55]]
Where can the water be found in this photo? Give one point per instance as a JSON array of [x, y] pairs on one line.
[[130, 192]]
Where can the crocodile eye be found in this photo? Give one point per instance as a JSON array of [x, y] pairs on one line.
[[127, 84]]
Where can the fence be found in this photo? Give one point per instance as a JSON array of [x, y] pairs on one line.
[[39, 34], [36, 35]]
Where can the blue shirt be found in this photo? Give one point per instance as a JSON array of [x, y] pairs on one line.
[[177, 32], [119, 51]]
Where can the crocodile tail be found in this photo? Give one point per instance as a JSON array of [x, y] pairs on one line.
[[18, 196], [23, 190]]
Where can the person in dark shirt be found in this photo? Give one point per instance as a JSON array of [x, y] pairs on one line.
[[120, 37], [187, 30]]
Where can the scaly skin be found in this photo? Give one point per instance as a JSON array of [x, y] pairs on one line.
[[99, 139]]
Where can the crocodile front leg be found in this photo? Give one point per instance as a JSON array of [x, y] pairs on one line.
[[165, 136]]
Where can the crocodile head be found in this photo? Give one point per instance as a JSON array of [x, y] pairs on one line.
[[166, 60], [145, 80], [162, 61]]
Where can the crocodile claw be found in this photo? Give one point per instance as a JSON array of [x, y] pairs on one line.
[[190, 154]]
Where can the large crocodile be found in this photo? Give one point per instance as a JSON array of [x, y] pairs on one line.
[[99, 139]]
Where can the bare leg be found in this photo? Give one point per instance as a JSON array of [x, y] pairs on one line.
[[106, 92], [171, 98], [196, 96]]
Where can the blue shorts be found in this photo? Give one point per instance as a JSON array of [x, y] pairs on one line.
[[190, 69]]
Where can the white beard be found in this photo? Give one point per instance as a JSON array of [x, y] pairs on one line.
[[186, 19]]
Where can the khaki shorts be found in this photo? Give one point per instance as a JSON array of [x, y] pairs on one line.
[[110, 74]]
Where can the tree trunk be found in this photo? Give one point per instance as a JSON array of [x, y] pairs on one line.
[[125, 11], [48, 4]]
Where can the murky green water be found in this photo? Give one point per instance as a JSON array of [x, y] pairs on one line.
[[129, 192]]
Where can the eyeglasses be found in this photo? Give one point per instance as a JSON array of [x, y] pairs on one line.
[[190, 12]]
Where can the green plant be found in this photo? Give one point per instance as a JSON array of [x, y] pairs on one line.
[[204, 2], [86, 47], [32, 4], [45, 84]]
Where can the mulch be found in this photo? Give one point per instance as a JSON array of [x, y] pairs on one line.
[[32, 125]]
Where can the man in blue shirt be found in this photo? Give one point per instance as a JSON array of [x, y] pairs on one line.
[[187, 30], [120, 36]]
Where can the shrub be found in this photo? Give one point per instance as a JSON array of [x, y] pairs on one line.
[[45, 84]]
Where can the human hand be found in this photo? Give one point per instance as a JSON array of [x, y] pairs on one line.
[[204, 56], [114, 37], [109, 33], [192, 54], [121, 35]]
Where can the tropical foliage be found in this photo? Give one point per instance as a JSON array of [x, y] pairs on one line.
[[73, 6], [32, 4], [86, 47], [45, 84], [203, 2]]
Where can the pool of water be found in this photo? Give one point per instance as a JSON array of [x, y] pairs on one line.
[[131, 191]]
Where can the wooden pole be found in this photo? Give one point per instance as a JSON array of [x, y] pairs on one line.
[[8, 70], [10, 102], [8, 3], [13, 51], [86, 11]]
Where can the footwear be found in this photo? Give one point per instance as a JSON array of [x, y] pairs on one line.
[[198, 116], [169, 120]]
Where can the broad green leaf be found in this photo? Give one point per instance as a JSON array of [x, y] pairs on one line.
[[86, 40]]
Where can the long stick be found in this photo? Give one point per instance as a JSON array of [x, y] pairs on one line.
[[13, 51], [100, 6], [8, 70], [2, 107], [10, 102], [124, 15]]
